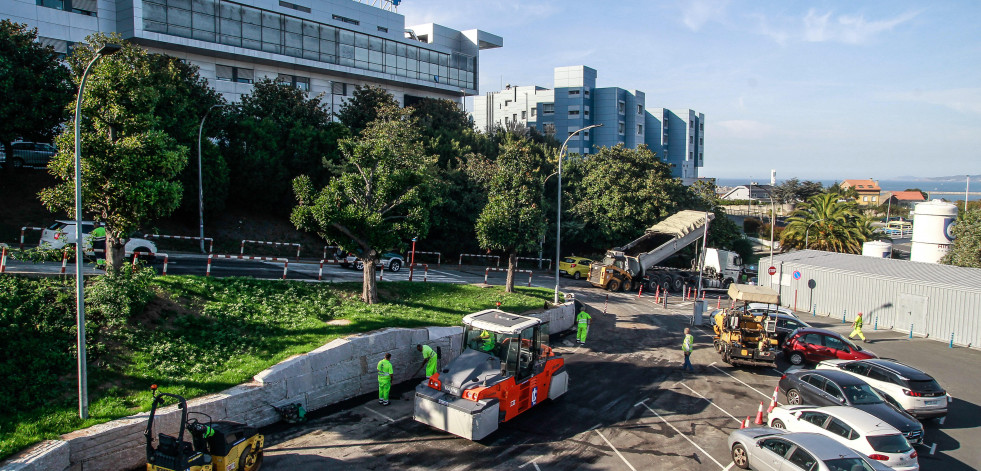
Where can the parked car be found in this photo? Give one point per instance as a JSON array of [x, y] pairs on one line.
[[913, 390], [836, 388], [33, 154], [786, 325], [813, 345], [763, 308], [62, 233], [576, 267], [851, 427], [390, 260], [770, 449]]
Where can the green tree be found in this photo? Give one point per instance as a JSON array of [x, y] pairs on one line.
[[513, 220], [794, 190], [34, 85], [615, 194], [383, 195], [129, 165], [273, 135], [965, 251], [834, 226], [363, 107]]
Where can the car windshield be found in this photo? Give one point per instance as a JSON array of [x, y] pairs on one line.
[[924, 385], [895, 443], [861, 394], [848, 464]]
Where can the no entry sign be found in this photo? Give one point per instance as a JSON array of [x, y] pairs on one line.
[[772, 271]]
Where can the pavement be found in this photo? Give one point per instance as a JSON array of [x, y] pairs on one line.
[[629, 406]]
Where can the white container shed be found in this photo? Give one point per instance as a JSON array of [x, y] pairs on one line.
[[931, 300]]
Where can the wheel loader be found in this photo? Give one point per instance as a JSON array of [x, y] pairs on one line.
[[745, 338], [214, 446], [505, 368]]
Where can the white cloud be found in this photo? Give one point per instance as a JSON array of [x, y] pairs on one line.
[[743, 129], [965, 100], [696, 13], [828, 27]]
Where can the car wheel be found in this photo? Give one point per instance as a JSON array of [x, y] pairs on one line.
[[359, 265], [17, 163], [796, 359], [739, 456], [793, 397], [613, 285], [251, 459], [395, 265], [777, 423], [576, 276]]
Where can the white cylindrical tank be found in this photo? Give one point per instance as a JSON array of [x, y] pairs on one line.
[[932, 225], [877, 249]]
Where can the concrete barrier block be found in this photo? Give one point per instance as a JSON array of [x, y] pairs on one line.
[[49, 455], [245, 397], [297, 385], [130, 456], [334, 352], [419, 336], [344, 371], [380, 342], [440, 332], [336, 392], [293, 366]]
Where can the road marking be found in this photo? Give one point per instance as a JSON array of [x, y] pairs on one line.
[[778, 371], [532, 462], [741, 381], [615, 448], [933, 448], [379, 414], [730, 466], [712, 403], [685, 437]]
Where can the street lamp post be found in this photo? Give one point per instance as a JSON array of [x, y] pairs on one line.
[[807, 233], [83, 393], [201, 175], [773, 214], [558, 217]]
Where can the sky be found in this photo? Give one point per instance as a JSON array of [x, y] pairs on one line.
[[817, 89]]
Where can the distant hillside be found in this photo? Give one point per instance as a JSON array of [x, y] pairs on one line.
[[955, 178]]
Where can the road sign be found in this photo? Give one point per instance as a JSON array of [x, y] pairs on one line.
[[772, 271], [796, 274]]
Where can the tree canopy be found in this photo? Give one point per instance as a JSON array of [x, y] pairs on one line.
[[794, 190], [382, 196], [364, 107], [824, 223], [965, 251]]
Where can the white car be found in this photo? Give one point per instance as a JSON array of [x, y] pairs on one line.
[[390, 260], [62, 233], [763, 308], [906, 387], [854, 428]]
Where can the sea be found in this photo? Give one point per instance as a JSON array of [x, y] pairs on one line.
[[895, 185]]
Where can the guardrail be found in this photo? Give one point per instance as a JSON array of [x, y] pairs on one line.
[[320, 275], [209, 240], [537, 259], [489, 269], [439, 256], [286, 261], [263, 242], [325, 250], [154, 254], [475, 255], [898, 232], [3, 258], [25, 229], [425, 274]]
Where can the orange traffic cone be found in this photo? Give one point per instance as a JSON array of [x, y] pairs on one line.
[[759, 414], [745, 423], [773, 400]]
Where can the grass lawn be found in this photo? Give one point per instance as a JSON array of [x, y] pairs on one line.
[[198, 336]]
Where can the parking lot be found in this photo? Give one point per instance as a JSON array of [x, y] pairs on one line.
[[628, 406]]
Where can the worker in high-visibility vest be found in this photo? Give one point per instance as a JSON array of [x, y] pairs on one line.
[[857, 329], [487, 341], [428, 359], [385, 373], [686, 347], [583, 320]]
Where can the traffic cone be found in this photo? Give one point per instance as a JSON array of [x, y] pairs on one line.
[[773, 401], [759, 414], [745, 423]]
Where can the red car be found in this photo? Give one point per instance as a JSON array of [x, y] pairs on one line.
[[814, 345]]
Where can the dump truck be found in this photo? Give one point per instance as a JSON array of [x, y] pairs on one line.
[[506, 368], [629, 266], [744, 337]]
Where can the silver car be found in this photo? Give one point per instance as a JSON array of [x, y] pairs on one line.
[[770, 449]]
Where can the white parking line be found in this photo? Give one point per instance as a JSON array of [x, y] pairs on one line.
[[712, 403], [741, 381], [532, 462], [615, 449], [379, 414], [684, 436], [730, 466]]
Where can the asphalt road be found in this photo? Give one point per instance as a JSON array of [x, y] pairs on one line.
[[628, 407]]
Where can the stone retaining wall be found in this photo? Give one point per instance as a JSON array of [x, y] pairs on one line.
[[340, 370]]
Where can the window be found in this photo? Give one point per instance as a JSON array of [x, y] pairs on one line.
[[874, 198], [507, 102], [640, 109], [857, 368], [815, 418], [234, 74], [548, 108], [620, 127], [534, 112], [835, 343], [640, 129], [691, 139], [294, 6], [549, 129], [383, 29], [816, 381], [586, 93], [839, 428], [302, 83], [879, 375], [865, 198], [585, 113], [573, 92], [811, 339], [803, 459], [776, 445], [524, 115], [346, 19], [621, 107], [834, 391], [573, 112]]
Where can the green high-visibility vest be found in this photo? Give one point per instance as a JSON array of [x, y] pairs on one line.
[[385, 370]]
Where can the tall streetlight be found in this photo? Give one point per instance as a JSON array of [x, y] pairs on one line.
[[201, 174], [773, 215], [558, 217], [807, 234], [83, 392]]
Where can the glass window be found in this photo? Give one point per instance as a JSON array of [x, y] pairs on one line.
[[345, 37], [803, 460], [548, 108], [361, 40], [179, 17], [860, 394], [224, 72], [895, 443], [816, 381], [811, 339], [251, 32], [835, 343], [154, 12], [776, 445], [879, 375], [839, 428], [815, 418], [244, 75], [833, 390]]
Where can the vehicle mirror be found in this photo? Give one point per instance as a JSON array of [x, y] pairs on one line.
[[841, 400], [759, 444]]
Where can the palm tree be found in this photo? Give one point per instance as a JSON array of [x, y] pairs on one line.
[[826, 223]]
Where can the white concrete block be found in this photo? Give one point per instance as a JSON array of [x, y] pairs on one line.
[[333, 352], [298, 385], [440, 332], [333, 394], [49, 455], [297, 365], [344, 371]]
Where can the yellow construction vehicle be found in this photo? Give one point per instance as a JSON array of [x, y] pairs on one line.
[[217, 446], [743, 337]]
